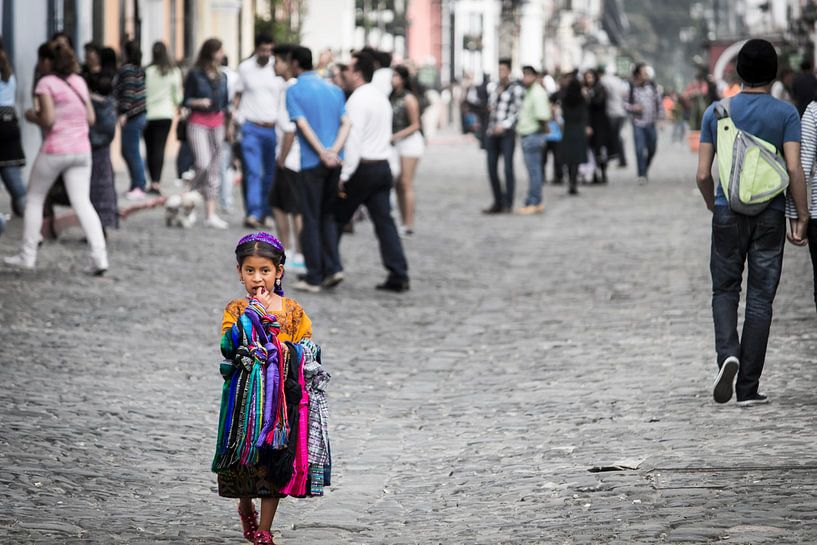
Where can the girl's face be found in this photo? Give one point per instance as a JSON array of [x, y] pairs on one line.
[[257, 272], [396, 81]]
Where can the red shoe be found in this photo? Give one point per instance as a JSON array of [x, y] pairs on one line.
[[250, 524], [263, 538]]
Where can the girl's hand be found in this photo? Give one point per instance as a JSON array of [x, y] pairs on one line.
[[264, 297]]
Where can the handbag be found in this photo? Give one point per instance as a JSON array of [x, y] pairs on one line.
[[103, 130]]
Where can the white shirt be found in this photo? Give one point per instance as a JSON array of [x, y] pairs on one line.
[[286, 125], [262, 92], [615, 95], [370, 136], [381, 79]]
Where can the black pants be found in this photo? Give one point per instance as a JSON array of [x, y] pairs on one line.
[[812, 248], [319, 237], [371, 186], [737, 239], [555, 148], [155, 134]]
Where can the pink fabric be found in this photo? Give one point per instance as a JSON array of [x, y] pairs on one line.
[[69, 134], [297, 485], [211, 120]]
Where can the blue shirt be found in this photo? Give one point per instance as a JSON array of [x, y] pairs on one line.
[[759, 114], [7, 90], [322, 105]]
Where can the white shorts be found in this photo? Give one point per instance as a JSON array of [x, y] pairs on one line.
[[411, 146]]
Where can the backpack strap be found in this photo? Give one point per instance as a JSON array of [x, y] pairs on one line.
[[723, 108]]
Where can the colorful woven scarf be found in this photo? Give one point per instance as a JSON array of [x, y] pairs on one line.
[[253, 405]]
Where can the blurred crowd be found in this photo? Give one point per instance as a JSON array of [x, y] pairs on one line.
[[575, 118], [241, 131]]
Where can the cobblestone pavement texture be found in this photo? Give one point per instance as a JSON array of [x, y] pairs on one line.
[[470, 410]]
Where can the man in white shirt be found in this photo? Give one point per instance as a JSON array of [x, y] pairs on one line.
[[284, 197], [259, 99], [366, 177], [616, 89]]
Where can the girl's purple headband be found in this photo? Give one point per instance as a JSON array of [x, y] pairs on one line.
[[264, 237]]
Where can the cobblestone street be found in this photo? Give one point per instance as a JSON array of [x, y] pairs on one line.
[[482, 407]]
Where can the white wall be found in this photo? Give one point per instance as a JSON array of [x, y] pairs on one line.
[[329, 24]]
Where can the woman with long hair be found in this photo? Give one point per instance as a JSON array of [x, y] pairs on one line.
[[205, 95], [130, 97], [576, 130], [63, 109], [163, 86], [100, 79], [408, 140], [12, 157]]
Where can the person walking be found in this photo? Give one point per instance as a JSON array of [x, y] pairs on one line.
[[758, 239], [500, 138], [644, 105], [407, 137], [366, 178], [130, 98], [259, 98], [601, 139], [285, 195], [100, 80], [318, 109], [576, 131], [205, 95], [63, 109], [163, 91], [12, 157], [808, 159], [615, 89], [534, 116]]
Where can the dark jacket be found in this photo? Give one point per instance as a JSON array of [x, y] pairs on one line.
[[198, 85], [574, 142]]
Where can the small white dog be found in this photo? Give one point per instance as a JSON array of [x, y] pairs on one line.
[[180, 210]]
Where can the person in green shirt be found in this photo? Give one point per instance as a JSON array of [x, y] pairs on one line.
[[532, 128]]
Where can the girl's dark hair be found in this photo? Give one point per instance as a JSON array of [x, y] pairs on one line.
[[133, 54], [573, 93], [404, 75], [5, 66], [260, 249], [206, 59], [161, 60]]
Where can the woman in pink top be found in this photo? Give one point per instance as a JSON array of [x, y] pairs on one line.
[[63, 109]]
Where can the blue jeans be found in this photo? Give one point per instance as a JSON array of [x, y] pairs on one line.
[[13, 180], [503, 145], [533, 146], [735, 239], [258, 148], [645, 142], [131, 151]]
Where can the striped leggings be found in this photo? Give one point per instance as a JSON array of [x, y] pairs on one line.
[[205, 142]]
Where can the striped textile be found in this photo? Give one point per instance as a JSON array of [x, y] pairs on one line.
[[130, 90], [808, 158]]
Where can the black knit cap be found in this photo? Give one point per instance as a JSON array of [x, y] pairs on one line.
[[757, 63]]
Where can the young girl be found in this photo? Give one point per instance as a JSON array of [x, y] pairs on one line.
[[272, 436]]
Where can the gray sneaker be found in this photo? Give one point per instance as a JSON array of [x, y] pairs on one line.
[[725, 380]]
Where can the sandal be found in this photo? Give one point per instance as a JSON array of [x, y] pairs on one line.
[[263, 538], [250, 524]]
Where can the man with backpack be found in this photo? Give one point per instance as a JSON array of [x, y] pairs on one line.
[[644, 105], [749, 132]]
